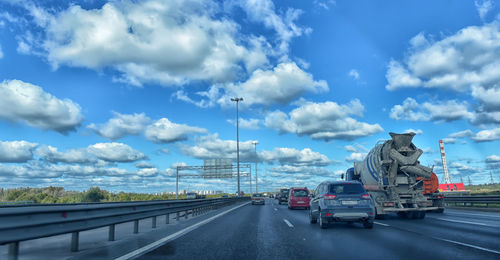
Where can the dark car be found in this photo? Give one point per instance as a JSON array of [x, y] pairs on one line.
[[347, 201], [283, 196], [258, 198], [298, 198]]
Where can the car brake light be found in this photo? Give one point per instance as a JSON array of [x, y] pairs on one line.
[[388, 204], [365, 196], [440, 196], [328, 214], [329, 197]]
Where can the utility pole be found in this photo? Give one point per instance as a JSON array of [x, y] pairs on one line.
[[237, 100], [256, 175], [470, 182], [492, 181]]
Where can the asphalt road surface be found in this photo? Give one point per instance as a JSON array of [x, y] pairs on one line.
[[273, 231]]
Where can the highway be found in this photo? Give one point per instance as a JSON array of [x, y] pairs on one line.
[[273, 231]]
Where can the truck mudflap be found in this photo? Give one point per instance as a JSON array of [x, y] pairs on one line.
[[409, 209]]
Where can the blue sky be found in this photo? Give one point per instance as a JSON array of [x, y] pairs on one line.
[[117, 94]]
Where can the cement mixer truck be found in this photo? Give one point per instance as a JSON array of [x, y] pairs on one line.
[[394, 177]]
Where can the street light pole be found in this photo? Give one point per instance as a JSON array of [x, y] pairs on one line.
[[256, 175], [237, 100]]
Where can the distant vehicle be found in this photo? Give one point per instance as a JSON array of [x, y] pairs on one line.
[[298, 198], [283, 196], [191, 195], [345, 201], [258, 198], [225, 196]]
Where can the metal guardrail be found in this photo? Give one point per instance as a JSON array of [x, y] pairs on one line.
[[25, 222], [473, 199]]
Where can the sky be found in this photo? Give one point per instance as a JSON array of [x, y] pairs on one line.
[[118, 94]]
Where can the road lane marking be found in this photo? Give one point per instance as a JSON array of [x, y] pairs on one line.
[[465, 222], [288, 223], [471, 214], [158, 243], [382, 224], [468, 245]]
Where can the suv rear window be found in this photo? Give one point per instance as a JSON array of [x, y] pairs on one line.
[[285, 192], [346, 188], [300, 193], [257, 195]]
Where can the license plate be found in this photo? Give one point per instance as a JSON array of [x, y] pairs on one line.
[[300, 202], [349, 202]]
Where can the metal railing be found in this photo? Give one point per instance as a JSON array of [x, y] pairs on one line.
[[24, 222], [472, 199]]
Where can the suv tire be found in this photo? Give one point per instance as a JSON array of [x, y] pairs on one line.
[[322, 221], [368, 224], [312, 219]]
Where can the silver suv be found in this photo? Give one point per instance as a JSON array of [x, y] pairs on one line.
[[346, 201]]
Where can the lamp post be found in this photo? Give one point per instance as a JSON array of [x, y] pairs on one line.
[[237, 100], [256, 179]]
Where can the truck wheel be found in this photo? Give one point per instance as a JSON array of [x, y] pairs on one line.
[[439, 210], [421, 215], [403, 214], [312, 219]]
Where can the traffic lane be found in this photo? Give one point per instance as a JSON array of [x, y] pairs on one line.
[[487, 218], [251, 232], [388, 242], [463, 232]]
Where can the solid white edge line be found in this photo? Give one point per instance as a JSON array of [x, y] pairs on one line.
[[288, 223], [173, 236], [382, 224], [465, 222], [468, 245]]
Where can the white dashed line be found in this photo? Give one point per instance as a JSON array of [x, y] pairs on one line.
[[382, 224], [464, 222], [288, 223], [468, 245]]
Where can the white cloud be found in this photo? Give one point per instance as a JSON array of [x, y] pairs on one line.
[[51, 154], [493, 159], [354, 74], [211, 147], [300, 172], [411, 130], [1, 52], [148, 172], [143, 164], [16, 151], [121, 125], [487, 135], [323, 121], [164, 131], [441, 111], [20, 101], [281, 85], [263, 11], [115, 152], [294, 157], [483, 7], [251, 123], [449, 140], [355, 157]]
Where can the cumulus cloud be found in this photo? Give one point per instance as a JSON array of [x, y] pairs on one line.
[[143, 165], [440, 111], [294, 157], [280, 85], [354, 74], [488, 135], [323, 121], [493, 159], [121, 125], [355, 157], [115, 152], [164, 131], [411, 130], [16, 151], [25, 102], [52, 154], [251, 123], [301, 172], [212, 147], [1, 53]]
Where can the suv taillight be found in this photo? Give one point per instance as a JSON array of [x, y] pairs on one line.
[[329, 197], [365, 196]]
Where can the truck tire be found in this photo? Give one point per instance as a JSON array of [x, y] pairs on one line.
[[403, 214], [439, 210], [421, 215]]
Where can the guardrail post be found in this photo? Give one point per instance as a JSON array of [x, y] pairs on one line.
[[136, 226], [74, 241], [167, 218], [186, 214], [111, 232], [13, 253], [178, 215], [153, 225]]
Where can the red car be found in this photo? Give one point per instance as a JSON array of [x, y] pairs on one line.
[[298, 198]]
